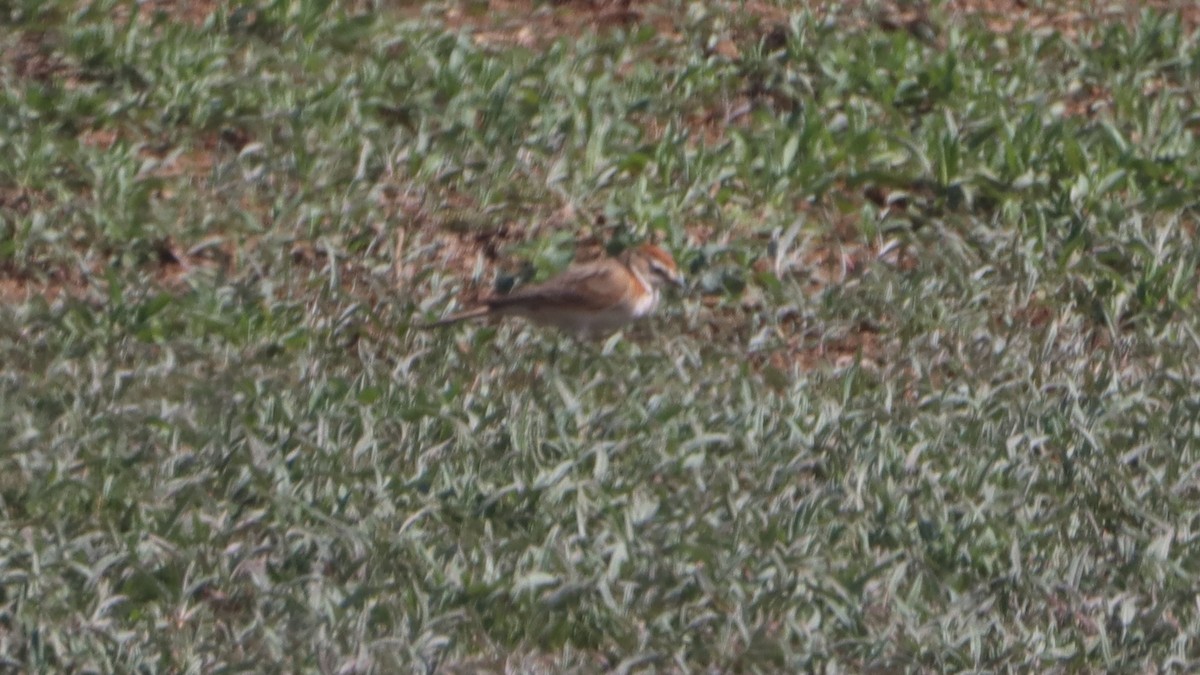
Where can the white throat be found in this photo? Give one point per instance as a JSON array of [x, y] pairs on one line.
[[647, 301]]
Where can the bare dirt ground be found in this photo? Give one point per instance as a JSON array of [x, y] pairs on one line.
[[530, 23]]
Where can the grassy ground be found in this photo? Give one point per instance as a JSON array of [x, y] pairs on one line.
[[931, 403]]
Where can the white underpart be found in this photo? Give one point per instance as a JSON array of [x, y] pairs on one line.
[[648, 301], [605, 321]]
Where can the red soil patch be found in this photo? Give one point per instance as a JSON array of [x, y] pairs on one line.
[[33, 59], [1066, 16]]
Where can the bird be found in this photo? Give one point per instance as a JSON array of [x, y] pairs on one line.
[[588, 300]]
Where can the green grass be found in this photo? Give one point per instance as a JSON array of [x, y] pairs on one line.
[[931, 404]]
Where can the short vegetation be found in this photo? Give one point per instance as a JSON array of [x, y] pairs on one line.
[[929, 404]]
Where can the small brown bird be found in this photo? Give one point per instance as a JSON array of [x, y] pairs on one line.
[[591, 299]]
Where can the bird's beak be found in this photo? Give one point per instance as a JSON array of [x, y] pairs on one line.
[[680, 282]]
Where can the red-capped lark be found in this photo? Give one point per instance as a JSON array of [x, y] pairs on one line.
[[588, 300]]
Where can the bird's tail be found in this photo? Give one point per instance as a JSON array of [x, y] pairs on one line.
[[472, 313]]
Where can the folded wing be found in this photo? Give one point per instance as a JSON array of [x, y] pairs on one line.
[[590, 287]]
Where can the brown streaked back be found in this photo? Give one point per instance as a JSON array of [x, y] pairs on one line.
[[591, 286]]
